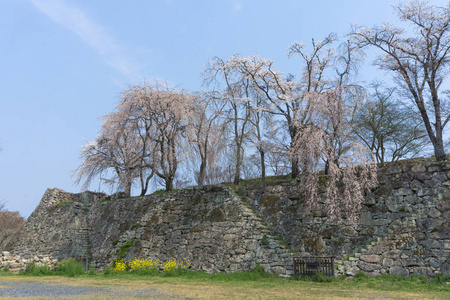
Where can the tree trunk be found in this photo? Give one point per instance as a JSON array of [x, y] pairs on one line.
[[127, 191], [327, 167], [439, 151], [294, 167], [263, 166], [237, 172], [169, 184], [236, 175], [201, 175]]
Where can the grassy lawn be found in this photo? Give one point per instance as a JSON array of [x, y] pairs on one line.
[[198, 285]]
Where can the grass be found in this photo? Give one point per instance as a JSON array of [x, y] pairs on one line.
[[163, 191], [256, 285], [124, 248]]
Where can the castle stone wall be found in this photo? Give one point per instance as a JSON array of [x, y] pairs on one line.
[[403, 228]]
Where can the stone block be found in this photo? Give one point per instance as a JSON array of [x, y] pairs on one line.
[[398, 271], [445, 269], [418, 168], [388, 262], [368, 267], [372, 258], [433, 262], [423, 271]]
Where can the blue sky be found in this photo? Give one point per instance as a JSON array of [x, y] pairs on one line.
[[64, 62]]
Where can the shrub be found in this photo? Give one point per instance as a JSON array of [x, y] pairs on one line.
[[107, 271], [361, 276], [70, 267], [36, 270]]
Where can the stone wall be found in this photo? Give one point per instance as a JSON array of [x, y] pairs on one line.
[[58, 225], [16, 263], [210, 226], [404, 226]]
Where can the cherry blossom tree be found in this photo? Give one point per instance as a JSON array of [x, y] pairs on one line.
[[236, 93], [142, 137], [207, 134], [114, 155], [316, 113], [164, 114], [327, 142], [418, 61]]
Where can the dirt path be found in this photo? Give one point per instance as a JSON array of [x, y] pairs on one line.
[[48, 289]]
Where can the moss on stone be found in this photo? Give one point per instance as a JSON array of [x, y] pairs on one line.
[[216, 215], [270, 202]]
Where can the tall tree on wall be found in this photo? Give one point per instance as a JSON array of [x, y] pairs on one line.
[[390, 128], [164, 114], [140, 139], [277, 93], [114, 151], [316, 113], [236, 93], [419, 62], [349, 166], [207, 134]]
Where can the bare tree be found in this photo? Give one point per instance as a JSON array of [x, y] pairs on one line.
[[10, 223], [419, 62], [388, 127]]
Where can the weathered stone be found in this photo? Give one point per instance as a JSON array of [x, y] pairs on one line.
[[388, 262], [412, 262], [418, 168], [370, 258], [435, 263], [443, 205], [398, 271], [445, 269], [366, 218], [423, 271], [430, 224], [368, 267]]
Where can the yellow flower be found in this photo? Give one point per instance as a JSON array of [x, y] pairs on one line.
[[120, 266]]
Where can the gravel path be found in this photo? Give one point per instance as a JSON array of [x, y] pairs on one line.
[[49, 290]]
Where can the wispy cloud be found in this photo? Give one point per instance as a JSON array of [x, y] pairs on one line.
[[73, 18], [236, 6]]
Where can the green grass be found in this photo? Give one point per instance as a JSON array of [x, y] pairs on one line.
[[70, 267], [265, 285]]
